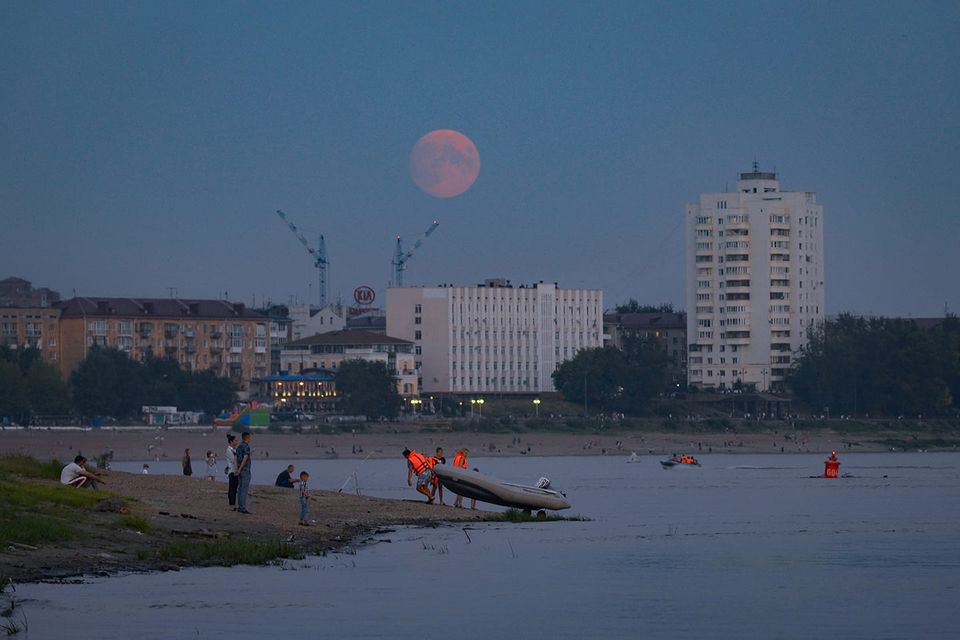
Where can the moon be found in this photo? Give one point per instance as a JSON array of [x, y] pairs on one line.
[[444, 163]]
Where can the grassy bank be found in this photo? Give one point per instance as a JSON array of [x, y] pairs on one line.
[[35, 512]]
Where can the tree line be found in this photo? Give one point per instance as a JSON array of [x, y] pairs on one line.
[[107, 383], [880, 367]]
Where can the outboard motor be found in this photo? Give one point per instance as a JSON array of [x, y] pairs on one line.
[[543, 483]]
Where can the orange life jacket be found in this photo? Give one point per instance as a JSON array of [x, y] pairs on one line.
[[432, 461], [460, 460], [419, 462]]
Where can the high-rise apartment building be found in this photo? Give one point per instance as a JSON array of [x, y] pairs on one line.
[[494, 338], [754, 281]]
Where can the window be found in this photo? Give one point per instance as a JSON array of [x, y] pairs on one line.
[[417, 320], [417, 335], [418, 308]]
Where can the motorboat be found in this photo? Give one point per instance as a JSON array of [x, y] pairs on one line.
[[680, 461], [473, 484]]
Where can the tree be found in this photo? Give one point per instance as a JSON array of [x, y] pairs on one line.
[[632, 306], [107, 383], [881, 366], [367, 388], [206, 391], [13, 403], [46, 391]]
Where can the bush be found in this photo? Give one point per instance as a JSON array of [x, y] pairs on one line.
[[28, 467]]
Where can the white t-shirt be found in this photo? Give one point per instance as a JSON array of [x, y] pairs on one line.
[[232, 459], [70, 473]]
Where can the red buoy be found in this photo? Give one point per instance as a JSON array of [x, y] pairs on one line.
[[831, 466]]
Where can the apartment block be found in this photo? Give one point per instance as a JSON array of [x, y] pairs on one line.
[[221, 336], [494, 337], [668, 330], [755, 281]]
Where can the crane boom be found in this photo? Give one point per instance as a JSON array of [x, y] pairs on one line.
[[319, 256], [400, 257]]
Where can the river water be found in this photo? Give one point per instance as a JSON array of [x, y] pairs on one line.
[[747, 546]]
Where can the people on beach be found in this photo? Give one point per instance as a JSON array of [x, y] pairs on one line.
[[146, 469], [75, 475], [244, 463], [419, 465], [304, 498], [460, 462], [211, 466], [434, 479], [233, 479], [285, 479], [187, 467]]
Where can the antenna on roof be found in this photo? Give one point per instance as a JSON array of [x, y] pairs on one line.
[[756, 165]]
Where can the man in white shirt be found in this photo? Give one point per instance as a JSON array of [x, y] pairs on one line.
[[75, 475]]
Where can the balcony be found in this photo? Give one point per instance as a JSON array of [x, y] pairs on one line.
[[216, 348], [171, 332], [190, 348], [216, 333]]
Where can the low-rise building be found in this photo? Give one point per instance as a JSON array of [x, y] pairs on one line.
[[668, 329], [327, 351], [222, 336], [307, 320]]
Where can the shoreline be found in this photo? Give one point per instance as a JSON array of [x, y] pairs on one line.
[[189, 511], [387, 441]]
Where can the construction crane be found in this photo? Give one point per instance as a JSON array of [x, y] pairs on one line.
[[400, 257], [319, 257]]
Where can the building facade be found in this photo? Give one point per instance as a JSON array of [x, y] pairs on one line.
[[327, 351], [669, 330], [494, 338], [222, 336], [32, 327], [755, 282], [308, 320]]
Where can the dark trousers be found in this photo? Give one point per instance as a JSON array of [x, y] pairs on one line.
[[233, 480]]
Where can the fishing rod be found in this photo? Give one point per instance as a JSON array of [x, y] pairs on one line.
[[354, 476]]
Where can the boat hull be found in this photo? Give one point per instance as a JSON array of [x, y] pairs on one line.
[[473, 484]]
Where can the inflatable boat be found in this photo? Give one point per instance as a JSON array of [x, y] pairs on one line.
[[680, 461], [473, 484]]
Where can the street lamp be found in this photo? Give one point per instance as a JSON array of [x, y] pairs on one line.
[[416, 402], [480, 402], [536, 406], [473, 402]]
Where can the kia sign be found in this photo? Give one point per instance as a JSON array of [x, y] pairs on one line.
[[364, 295]]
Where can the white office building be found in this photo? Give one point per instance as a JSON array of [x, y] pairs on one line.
[[754, 281], [494, 338]]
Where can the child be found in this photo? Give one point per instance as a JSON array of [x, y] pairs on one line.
[[211, 466], [304, 496], [146, 469]]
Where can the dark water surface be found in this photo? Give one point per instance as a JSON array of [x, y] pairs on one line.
[[748, 546]]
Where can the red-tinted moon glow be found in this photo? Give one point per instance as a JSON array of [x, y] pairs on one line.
[[444, 163]]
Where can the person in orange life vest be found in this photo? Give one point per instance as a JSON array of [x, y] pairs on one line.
[[460, 462], [434, 480], [419, 465]]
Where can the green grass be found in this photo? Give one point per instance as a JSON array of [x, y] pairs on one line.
[[518, 515], [227, 552], [34, 529], [28, 467], [134, 522], [35, 512]]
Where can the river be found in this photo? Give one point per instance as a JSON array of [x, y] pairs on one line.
[[746, 546]]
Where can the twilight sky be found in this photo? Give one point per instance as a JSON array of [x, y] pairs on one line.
[[146, 145]]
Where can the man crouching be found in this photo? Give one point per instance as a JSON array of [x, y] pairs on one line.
[[75, 475]]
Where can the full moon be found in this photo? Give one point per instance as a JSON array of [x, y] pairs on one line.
[[444, 163]]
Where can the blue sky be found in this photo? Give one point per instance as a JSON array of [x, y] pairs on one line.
[[146, 145]]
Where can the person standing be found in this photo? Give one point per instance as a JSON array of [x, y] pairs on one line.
[[233, 479], [187, 467], [304, 497], [434, 479], [211, 466], [243, 471], [459, 462]]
